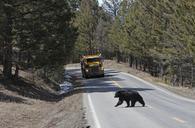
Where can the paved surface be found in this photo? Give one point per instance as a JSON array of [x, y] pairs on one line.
[[163, 109]]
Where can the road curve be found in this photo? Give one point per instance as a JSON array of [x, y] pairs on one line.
[[163, 109]]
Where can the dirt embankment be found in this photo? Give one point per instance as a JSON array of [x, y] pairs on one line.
[[124, 67], [35, 104]]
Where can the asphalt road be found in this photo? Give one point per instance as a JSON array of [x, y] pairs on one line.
[[163, 109]]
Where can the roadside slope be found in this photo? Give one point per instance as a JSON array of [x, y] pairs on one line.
[[27, 104]]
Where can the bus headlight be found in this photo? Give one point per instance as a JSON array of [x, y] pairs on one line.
[[86, 70]]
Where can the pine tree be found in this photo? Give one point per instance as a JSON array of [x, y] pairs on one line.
[[42, 29], [87, 21]]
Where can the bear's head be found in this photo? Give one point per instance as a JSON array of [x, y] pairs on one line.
[[118, 93]]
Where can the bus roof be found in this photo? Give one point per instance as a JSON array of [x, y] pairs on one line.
[[92, 56]]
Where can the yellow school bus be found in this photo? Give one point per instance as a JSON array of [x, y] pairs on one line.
[[92, 66]]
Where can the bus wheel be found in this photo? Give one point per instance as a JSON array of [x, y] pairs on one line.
[[86, 76]]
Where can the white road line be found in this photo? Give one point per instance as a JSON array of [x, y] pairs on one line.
[[165, 91], [97, 123], [178, 120]]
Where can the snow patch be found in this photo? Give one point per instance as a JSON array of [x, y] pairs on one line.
[[65, 87]]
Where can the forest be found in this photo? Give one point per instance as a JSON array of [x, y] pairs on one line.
[[155, 36]]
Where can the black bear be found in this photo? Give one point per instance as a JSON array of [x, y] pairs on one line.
[[127, 95]]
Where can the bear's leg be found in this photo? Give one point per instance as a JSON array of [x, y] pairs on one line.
[[119, 103], [127, 101], [133, 103], [142, 102]]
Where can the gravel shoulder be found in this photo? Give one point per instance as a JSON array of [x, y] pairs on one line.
[[35, 104], [41, 114], [123, 67]]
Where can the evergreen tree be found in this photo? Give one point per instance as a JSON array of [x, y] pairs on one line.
[[87, 21], [43, 29]]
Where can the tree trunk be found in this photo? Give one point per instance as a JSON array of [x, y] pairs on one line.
[[136, 63], [7, 48], [16, 72], [130, 60], [144, 66], [140, 64], [7, 62], [161, 70], [181, 76], [118, 56]]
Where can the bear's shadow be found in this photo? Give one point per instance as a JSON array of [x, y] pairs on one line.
[[133, 107]]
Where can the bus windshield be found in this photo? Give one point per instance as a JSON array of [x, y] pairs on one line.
[[90, 60]]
